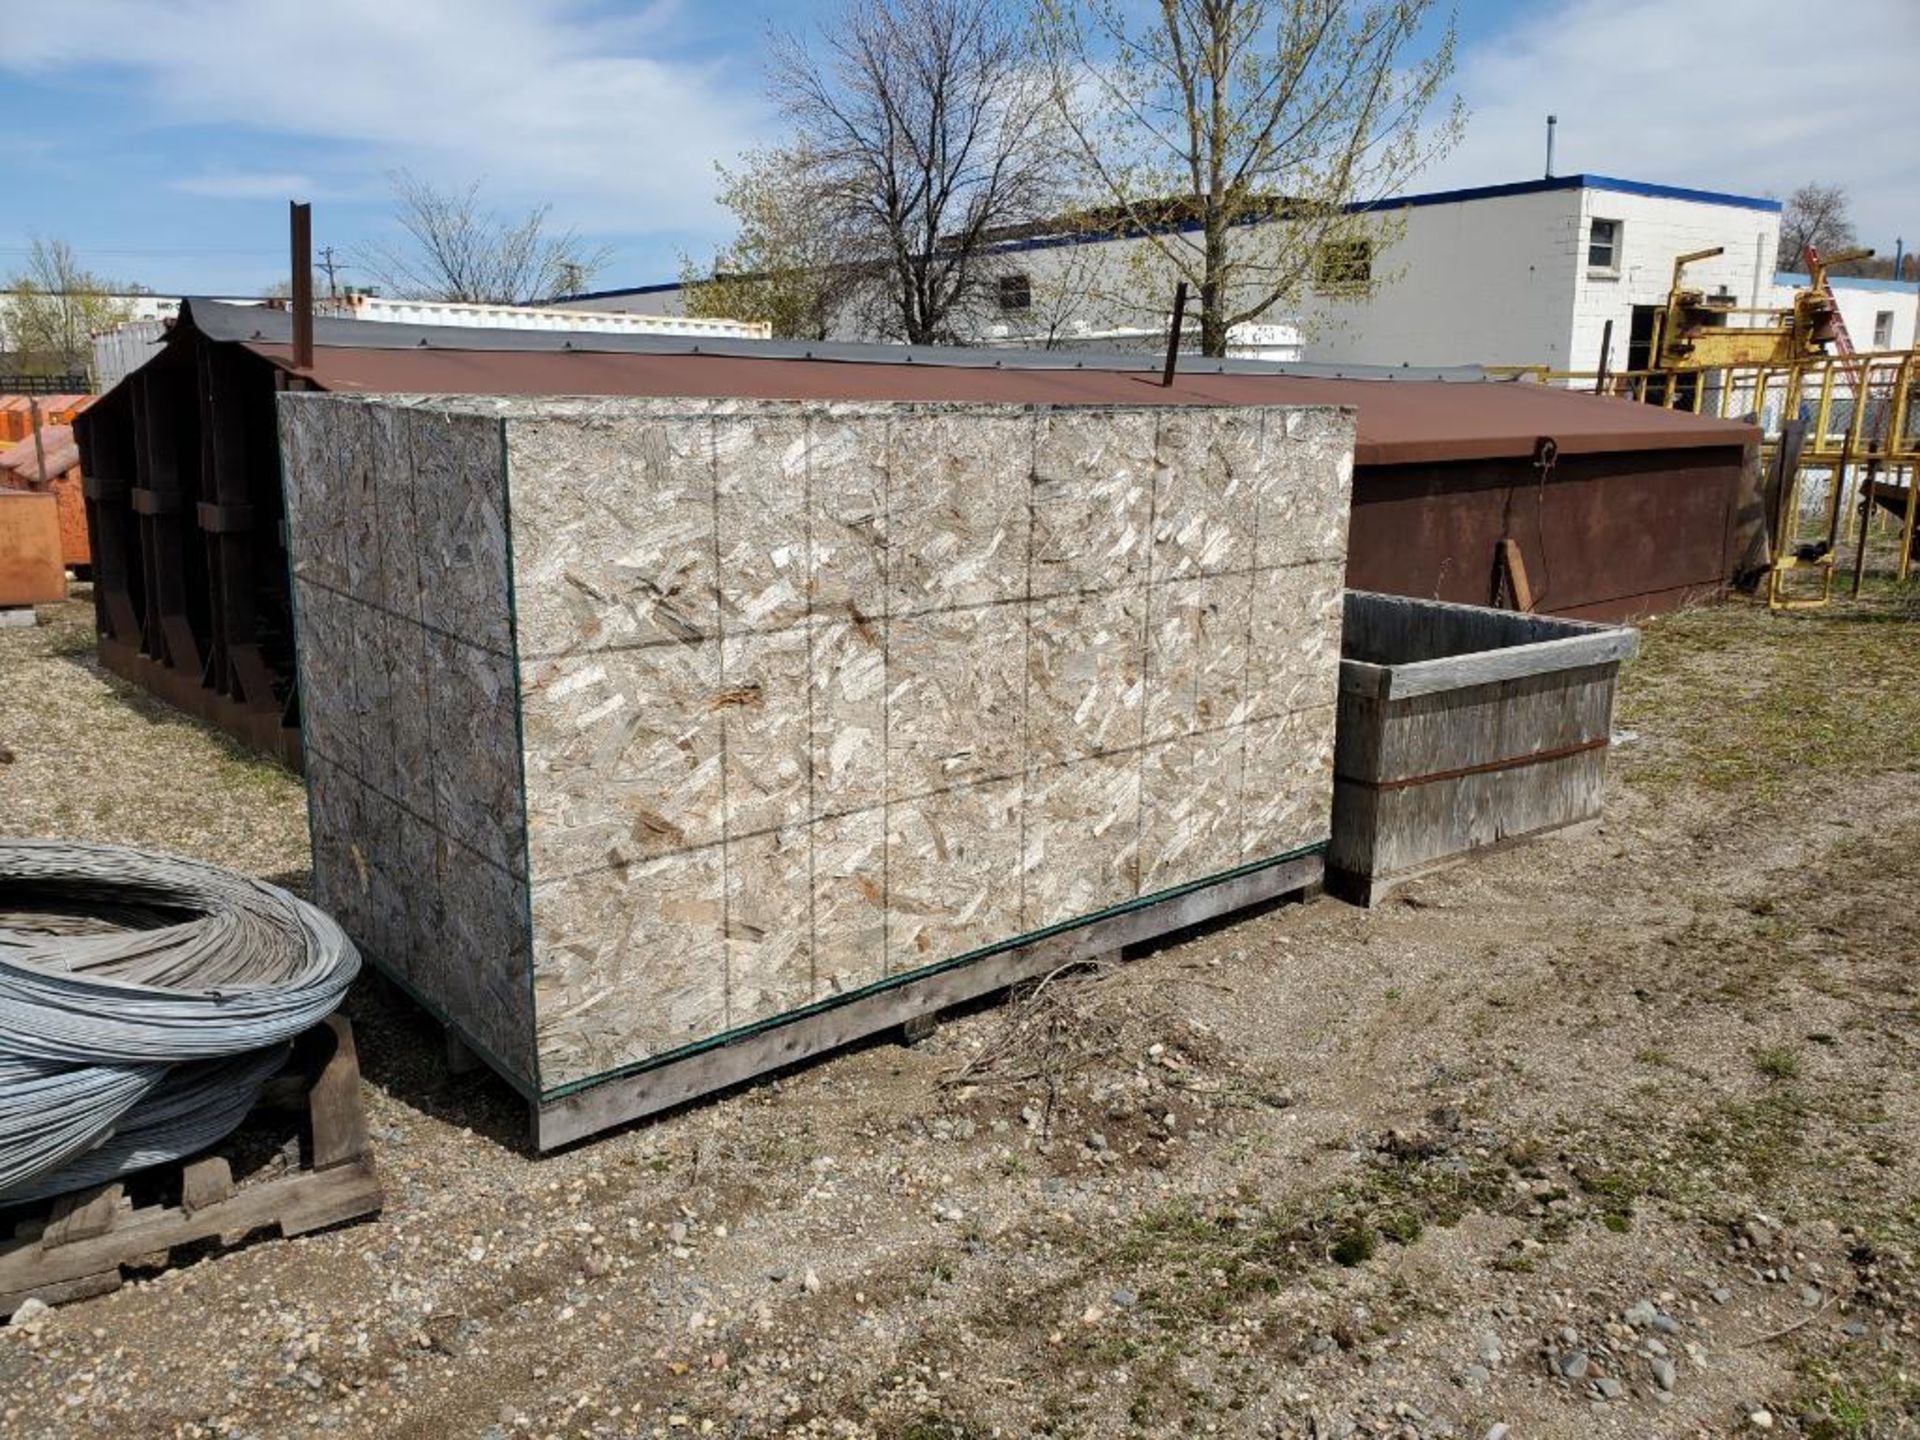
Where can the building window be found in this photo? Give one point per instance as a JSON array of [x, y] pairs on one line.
[[1603, 246], [1016, 292], [1345, 265], [1883, 329]]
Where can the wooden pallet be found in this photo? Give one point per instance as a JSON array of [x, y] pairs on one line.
[[78, 1246], [910, 1004]]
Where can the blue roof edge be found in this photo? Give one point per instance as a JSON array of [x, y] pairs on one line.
[[662, 288], [1393, 202], [1799, 280]]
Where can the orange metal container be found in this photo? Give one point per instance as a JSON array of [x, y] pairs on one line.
[[20, 465]]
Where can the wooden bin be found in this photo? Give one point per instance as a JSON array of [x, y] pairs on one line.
[[1460, 728]]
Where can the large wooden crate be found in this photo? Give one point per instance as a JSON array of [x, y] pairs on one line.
[[1462, 727], [31, 572], [657, 744]]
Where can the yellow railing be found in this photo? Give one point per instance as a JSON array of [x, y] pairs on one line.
[[1859, 428]]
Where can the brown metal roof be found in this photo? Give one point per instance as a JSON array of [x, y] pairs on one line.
[[1400, 421]]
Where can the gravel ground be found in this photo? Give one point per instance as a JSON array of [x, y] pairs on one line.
[[1611, 1136]]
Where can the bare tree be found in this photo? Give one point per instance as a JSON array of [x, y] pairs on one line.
[[1814, 215], [790, 264], [1249, 143], [54, 308], [458, 250], [924, 128]]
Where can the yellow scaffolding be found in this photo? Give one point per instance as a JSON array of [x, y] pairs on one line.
[[1850, 418]]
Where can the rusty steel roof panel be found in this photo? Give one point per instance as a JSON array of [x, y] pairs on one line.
[[1404, 416], [1399, 422]]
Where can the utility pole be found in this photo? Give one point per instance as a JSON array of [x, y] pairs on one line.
[[329, 264]]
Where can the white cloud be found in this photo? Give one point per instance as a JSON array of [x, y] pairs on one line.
[[1749, 96], [245, 185], [547, 100]]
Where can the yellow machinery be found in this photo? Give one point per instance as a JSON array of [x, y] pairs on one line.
[[1693, 332], [1850, 417]]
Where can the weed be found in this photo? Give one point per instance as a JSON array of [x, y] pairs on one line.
[[1355, 1247], [1403, 1228], [1838, 1404]]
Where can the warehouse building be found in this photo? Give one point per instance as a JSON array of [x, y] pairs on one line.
[[1530, 273]]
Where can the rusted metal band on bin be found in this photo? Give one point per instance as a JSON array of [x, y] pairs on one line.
[[1516, 762]]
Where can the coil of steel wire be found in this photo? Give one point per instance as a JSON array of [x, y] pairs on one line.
[[144, 999]]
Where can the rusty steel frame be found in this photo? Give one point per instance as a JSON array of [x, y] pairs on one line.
[[182, 491]]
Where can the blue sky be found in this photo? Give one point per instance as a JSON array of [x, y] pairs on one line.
[[162, 138]]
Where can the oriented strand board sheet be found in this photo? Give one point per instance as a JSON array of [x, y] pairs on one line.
[[710, 711]]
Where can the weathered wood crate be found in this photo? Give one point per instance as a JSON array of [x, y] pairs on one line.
[[75, 1246], [657, 744], [1462, 727]]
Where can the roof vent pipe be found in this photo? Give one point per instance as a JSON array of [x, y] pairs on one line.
[[1552, 120]]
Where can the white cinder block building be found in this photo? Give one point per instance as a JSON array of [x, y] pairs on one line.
[[1880, 314], [1522, 274], [1529, 274]]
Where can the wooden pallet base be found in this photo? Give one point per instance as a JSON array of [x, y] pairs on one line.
[[78, 1247], [632, 1097]]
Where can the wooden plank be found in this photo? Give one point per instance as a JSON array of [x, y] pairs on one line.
[[1369, 890], [83, 1216], [343, 1193], [619, 1100], [85, 1287], [1514, 564], [305, 1200], [1383, 741], [205, 1182], [339, 1120], [1493, 666], [1403, 629]]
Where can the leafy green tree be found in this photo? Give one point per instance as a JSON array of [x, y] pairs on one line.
[[54, 308], [788, 265], [1236, 137]]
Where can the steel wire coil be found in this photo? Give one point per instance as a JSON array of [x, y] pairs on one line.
[[144, 999]]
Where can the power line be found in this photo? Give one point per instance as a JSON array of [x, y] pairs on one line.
[[149, 250]]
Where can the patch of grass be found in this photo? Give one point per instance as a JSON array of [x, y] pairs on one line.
[[1403, 1227], [1778, 1062], [1767, 704], [1761, 1138], [1844, 1403], [1355, 1247]]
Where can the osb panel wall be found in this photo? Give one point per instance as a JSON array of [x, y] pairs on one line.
[[397, 541], [816, 695]]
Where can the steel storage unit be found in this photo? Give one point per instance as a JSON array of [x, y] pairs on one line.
[[1462, 727], [657, 744], [191, 592]]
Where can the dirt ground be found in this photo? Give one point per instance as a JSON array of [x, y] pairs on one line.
[[1611, 1136]]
